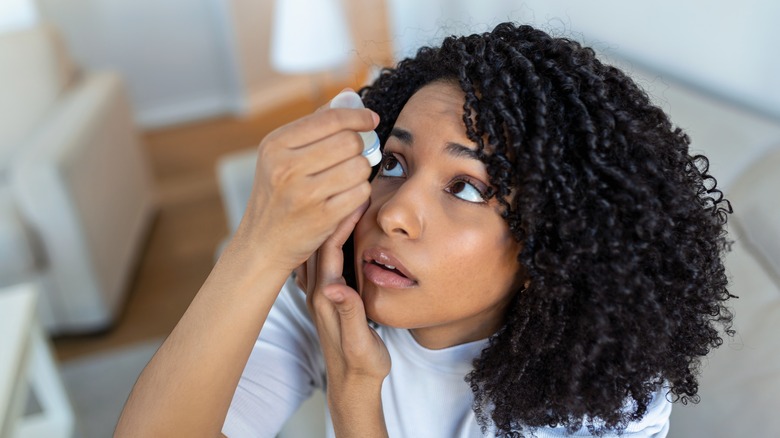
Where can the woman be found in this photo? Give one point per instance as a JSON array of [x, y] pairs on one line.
[[538, 251]]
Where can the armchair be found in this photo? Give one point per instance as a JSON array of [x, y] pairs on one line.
[[75, 191]]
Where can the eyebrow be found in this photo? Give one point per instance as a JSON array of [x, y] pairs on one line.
[[455, 149]]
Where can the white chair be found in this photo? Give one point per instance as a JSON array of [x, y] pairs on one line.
[[740, 381], [75, 192], [28, 364]]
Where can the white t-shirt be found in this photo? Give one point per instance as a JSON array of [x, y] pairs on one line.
[[425, 394]]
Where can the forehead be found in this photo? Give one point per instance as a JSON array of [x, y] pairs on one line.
[[439, 100], [437, 109]]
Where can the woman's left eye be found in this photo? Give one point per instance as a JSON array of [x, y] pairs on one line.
[[466, 191]]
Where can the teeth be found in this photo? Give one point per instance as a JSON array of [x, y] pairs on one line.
[[390, 267]]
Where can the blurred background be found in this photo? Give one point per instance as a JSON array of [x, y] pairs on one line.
[[127, 130]]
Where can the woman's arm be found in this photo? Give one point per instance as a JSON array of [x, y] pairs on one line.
[[309, 176], [186, 388]]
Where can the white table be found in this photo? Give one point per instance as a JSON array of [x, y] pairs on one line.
[[26, 364]]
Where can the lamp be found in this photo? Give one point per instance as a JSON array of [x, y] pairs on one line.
[[309, 36]]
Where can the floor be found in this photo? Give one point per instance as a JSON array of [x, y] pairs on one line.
[[189, 224]]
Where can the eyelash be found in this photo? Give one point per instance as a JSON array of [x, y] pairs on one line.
[[387, 156]]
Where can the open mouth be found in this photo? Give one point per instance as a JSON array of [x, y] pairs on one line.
[[386, 273], [389, 268]]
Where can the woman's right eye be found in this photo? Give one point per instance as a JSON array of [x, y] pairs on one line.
[[391, 167]]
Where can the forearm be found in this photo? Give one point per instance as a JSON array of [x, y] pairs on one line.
[[356, 409], [186, 388]]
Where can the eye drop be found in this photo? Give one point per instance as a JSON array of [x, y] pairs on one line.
[[350, 99]]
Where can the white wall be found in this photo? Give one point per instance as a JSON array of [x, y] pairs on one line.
[[726, 48], [17, 14], [170, 52], [186, 59], [246, 26]]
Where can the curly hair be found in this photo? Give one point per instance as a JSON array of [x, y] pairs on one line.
[[622, 230]]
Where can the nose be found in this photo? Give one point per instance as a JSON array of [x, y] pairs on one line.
[[401, 212]]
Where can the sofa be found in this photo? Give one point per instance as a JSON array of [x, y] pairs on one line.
[[75, 190], [740, 381]]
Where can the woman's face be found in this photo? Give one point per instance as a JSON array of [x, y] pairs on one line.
[[431, 254]]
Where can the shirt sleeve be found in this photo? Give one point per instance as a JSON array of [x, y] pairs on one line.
[[284, 368]]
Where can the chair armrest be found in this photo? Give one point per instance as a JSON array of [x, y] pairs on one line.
[[83, 184], [236, 173]]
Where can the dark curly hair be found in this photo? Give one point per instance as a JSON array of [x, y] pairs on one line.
[[622, 230]]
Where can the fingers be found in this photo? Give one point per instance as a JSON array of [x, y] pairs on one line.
[[334, 152], [325, 123], [349, 345], [328, 152], [339, 181], [325, 267], [345, 228], [331, 258], [352, 324], [309, 175]]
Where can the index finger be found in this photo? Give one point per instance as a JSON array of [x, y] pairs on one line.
[[322, 124], [331, 259]]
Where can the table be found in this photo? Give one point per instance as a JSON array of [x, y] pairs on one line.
[[27, 366]]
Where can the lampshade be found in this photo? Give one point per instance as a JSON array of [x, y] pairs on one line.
[[309, 36]]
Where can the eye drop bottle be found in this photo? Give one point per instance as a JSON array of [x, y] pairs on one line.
[[350, 99]]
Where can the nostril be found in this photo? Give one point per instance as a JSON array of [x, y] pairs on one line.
[[401, 231]]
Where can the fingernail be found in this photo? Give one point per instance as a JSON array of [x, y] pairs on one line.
[[375, 116]]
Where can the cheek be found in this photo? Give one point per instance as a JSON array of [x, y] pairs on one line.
[[474, 254], [464, 246]]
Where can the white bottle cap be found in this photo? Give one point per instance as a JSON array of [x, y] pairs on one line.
[[347, 99], [371, 147], [350, 99]]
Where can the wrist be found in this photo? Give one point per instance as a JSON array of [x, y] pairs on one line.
[[347, 386], [355, 394], [257, 254], [243, 269], [356, 407]]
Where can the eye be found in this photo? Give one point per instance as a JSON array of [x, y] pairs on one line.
[[466, 191], [391, 167]]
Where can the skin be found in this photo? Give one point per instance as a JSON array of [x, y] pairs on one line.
[[454, 244]]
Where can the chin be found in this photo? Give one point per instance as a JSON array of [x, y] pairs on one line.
[[375, 315]]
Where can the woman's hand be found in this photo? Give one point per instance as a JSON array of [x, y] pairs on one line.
[[356, 358], [309, 175]]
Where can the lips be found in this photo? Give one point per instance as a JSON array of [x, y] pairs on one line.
[[383, 269]]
